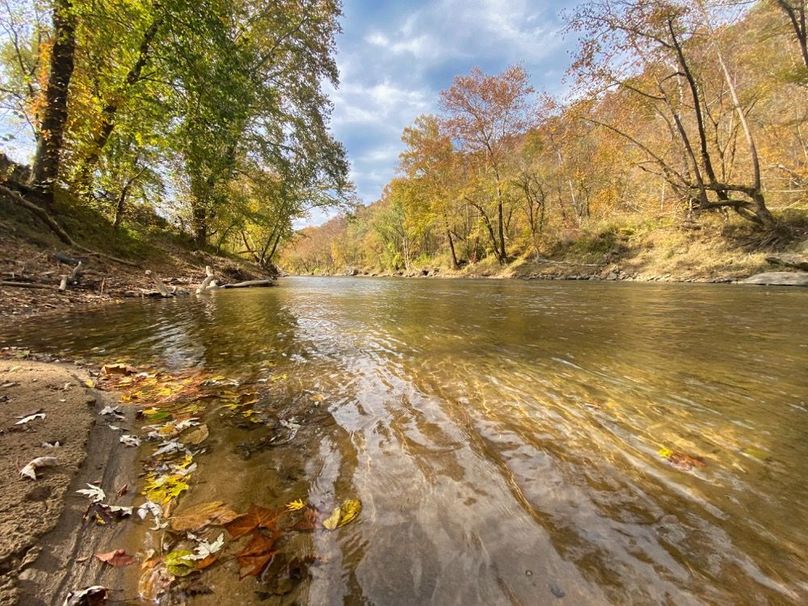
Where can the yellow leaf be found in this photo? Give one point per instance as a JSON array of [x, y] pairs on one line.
[[89, 383], [350, 510], [665, 453], [295, 505], [331, 521]]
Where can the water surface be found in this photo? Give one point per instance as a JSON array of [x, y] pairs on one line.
[[502, 436]]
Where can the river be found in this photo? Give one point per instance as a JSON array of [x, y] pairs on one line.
[[511, 442]]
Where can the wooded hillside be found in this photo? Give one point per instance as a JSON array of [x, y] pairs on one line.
[[682, 114]]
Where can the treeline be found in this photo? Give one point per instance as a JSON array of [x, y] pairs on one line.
[[677, 108], [211, 112]]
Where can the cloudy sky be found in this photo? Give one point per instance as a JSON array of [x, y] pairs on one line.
[[396, 56]]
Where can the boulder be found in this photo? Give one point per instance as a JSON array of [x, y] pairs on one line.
[[779, 278], [790, 260]]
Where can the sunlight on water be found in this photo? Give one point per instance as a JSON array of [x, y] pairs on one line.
[[512, 443]]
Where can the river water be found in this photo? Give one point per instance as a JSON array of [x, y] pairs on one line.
[[511, 442]]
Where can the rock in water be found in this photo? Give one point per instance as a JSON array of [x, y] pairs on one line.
[[779, 278]]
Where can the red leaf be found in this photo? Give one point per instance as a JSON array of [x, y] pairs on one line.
[[256, 555], [256, 517], [117, 558]]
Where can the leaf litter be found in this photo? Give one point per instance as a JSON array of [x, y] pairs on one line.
[[171, 405]]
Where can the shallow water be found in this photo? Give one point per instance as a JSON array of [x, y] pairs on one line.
[[502, 436]]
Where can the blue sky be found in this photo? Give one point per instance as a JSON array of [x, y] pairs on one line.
[[396, 57]]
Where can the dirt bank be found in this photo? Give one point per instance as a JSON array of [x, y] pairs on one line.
[[46, 546]]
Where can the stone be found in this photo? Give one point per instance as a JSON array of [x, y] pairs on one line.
[[779, 278]]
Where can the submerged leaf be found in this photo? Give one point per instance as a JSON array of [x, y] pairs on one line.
[[197, 436], [117, 558], [256, 555], [295, 505], [256, 517], [331, 521], [179, 562], [203, 514], [344, 514]]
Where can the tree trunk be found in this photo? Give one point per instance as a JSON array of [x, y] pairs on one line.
[[796, 15], [49, 144], [200, 227], [455, 264]]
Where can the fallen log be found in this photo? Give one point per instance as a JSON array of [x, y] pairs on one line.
[[250, 284], [25, 285], [161, 287]]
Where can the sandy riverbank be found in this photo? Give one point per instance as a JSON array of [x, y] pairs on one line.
[[46, 546]]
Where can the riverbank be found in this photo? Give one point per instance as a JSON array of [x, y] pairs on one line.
[[34, 262], [712, 250], [49, 414]]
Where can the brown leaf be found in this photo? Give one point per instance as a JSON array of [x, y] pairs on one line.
[[197, 436], [308, 521], [256, 517], [204, 514], [117, 558], [256, 555]]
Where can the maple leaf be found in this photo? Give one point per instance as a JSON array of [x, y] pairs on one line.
[[256, 517], [256, 555], [295, 505], [94, 493], [117, 558]]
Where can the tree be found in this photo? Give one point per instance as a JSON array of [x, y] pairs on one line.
[[485, 114], [645, 49], [795, 11], [54, 115]]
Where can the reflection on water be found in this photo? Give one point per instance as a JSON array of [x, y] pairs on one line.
[[503, 436]]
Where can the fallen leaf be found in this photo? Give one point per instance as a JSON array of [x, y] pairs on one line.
[[256, 517], [179, 562], [295, 505], [204, 514], [163, 489], [351, 508], [129, 440], [197, 436], [117, 558], [89, 383], [94, 493], [256, 555], [344, 514], [331, 521], [89, 596], [205, 549], [29, 471], [29, 418], [309, 520]]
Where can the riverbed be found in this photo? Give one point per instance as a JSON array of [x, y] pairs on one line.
[[510, 442]]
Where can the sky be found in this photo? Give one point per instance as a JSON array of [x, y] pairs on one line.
[[395, 57]]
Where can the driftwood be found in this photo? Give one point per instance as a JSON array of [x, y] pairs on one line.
[[208, 283], [250, 284], [161, 287], [25, 285]]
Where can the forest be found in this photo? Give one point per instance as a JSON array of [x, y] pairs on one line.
[[210, 119], [678, 113], [208, 114]]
